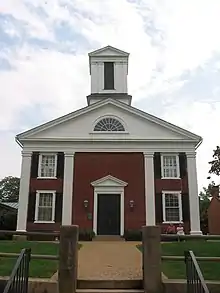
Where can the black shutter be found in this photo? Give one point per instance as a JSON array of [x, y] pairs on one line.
[[60, 165], [183, 164], [159, 208], [58, 207], [157, 166], [108, 75], [31, 206], [34, 165], [185, 207]]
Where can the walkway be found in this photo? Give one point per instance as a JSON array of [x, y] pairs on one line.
[[113, 260]]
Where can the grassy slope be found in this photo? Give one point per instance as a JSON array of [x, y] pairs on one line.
[[38, 268], [176, 269]]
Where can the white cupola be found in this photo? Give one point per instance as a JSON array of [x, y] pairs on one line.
[[108, 69]]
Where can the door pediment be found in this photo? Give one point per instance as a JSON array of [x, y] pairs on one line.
[[109, 181]]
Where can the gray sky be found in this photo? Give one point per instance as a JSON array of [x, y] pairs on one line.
[[174, 66]]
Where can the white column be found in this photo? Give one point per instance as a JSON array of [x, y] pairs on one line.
[[68, 189], [193, 194], [149, 189], [24, 191]]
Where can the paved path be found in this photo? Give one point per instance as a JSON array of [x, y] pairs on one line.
[[113, 260]]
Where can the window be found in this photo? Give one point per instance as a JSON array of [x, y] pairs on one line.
[[47, 166], [45, 206], [108, 75], [170, 166], [109, 124], [172, 207]]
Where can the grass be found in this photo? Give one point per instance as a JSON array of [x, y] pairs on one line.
[[176, 269], [38, 268]]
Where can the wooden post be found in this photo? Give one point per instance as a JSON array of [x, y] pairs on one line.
[[152, 259], [68, 259]]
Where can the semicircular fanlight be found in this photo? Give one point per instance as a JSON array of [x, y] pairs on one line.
[[109, 124]]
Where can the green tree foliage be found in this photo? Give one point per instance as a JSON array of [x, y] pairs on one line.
[[9, 189], [215, 163]]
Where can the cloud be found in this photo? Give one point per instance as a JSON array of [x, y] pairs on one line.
[[173, 66]]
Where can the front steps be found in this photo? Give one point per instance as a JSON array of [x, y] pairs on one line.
[[109, 290], [108, 238], [110, 285]]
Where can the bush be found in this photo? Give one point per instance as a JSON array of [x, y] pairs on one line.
[[133, 235], [86, 234], [8, 221]]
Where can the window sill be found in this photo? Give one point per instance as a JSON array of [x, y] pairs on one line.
[[178, 178], [47, 178], [44, 222], [109, 132], [172, 222]]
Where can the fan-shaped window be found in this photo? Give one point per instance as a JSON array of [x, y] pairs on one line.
[[109, 124]]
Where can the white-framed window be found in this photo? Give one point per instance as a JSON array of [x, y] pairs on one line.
[[170, 168], [172, 206], [47, 167], [45, 206]]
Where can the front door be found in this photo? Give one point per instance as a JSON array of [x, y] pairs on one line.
[[108, 214]]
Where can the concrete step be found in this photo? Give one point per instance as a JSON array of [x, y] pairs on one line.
[[110, 291], [108, 238], [110, 284]]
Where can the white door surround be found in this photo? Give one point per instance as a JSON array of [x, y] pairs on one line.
[[108, 185]]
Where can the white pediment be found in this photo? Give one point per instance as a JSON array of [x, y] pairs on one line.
[[79, 125], [108, 51], [109, 181]]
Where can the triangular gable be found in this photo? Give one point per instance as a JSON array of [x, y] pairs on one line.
[[109, 180], [119, 105], [108, 51]]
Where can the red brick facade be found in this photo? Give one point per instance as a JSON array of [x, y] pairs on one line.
[[214, 212], [128, 167], [89, 167]]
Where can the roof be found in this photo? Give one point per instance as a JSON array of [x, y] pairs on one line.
[[105, 52], [13, 205]]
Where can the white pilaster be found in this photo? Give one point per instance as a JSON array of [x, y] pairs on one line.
[[193, 194], [149, 189], [68, 189], [24, 191]]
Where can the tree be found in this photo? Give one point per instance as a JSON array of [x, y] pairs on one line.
[[9, 189], [204, 201], [215, 163]]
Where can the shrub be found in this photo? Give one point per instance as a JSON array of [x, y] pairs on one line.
[[8, 221], [86, 234], [133, 235]]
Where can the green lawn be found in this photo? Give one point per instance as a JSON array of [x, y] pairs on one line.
[[176, 269], [38, 268]]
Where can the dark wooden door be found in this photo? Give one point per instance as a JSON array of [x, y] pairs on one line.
[[108, 214]]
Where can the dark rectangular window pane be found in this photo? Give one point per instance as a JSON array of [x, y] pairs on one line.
[[108, 75]]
